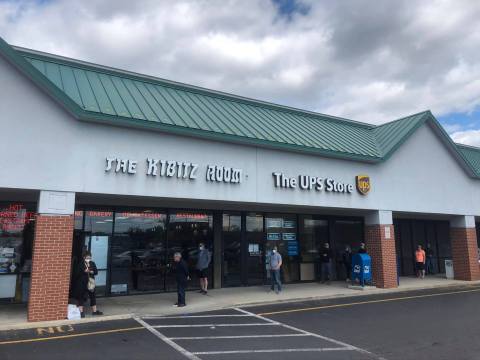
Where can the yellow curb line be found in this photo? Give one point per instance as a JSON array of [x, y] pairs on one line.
[[71, 335], [366, 302]]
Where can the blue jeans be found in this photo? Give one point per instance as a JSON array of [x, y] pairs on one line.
[[326, 271], [276, 279], [181, 293], [429, 265]]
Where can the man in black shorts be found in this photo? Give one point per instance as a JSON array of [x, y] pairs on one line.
[[420, 262], [203, 261]]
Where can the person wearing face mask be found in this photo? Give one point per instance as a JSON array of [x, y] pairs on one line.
[[203, 262], [275, 265], [85, 284], [92, 272]]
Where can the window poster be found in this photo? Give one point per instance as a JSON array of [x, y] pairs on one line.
[[273, 236], [274, 222], [289, 236], [289, 224], [99, 249], [292, 248]]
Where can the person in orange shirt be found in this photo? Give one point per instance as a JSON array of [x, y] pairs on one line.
[[420, 259]]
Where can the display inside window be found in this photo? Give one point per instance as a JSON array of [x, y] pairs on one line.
[[16, 235], [14, 218]]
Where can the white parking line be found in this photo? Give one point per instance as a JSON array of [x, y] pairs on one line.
[[213, 325], [296, 332], [153, 317], [162, 337], [270, 351], [236, 336], [341, 343]]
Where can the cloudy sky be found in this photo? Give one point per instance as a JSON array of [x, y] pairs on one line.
[[361, 59]]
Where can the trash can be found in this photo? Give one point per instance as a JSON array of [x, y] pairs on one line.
[[361, 269], [449, 269]]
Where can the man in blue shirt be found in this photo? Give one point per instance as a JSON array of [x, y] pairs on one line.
[[203, 261], [275, 265]]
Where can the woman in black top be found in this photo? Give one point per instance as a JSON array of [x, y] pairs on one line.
[[85, 274]]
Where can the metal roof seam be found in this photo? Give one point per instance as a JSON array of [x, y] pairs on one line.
[[185, 87], [227, 128]]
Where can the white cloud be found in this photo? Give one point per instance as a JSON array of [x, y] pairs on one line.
[[468, 137], [363, 60]]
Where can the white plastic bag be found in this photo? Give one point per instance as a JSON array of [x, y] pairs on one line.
[[73, 312]]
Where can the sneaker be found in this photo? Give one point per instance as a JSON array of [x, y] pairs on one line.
[[277, 292], [97, 313], [176, 304], [181, 305]]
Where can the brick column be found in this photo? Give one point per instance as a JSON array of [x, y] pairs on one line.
[[52, 248], [463, 238], [380, 242]]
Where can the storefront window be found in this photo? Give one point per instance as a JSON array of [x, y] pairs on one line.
[[138, 252], [232, 250], [281, 231], [313, 234], [346, 232], [16, 238], [186, 231]]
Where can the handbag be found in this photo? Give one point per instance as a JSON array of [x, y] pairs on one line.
[[91, 284], [91, 281]]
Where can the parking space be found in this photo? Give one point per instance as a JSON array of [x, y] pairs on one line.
[[238, 334]]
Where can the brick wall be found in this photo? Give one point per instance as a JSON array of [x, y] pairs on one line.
[[383, 254], [51, 260], [465, 253]]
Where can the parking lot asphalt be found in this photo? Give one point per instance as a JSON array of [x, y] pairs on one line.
[[429, 324]]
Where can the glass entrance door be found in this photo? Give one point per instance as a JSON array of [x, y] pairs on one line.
[[255, 249], [281, 232], [232, 250], [314, 233], [186, 230]]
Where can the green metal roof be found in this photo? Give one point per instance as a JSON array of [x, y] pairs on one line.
[[472, 155], [97, 93]]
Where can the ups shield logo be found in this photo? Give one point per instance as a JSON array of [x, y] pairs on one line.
[[363, 184]]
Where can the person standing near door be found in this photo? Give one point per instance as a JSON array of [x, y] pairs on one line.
[[347, 261], [203, 262], [275, 265], [182, 276], [326, 263], [429, 263], [420, 259], [92, 272]]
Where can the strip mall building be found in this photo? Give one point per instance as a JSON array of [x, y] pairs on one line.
[[136, 168]]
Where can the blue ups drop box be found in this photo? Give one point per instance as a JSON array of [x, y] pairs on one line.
[[361, 268]]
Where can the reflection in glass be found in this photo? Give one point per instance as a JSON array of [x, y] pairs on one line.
[[186, 231], [138, 257]]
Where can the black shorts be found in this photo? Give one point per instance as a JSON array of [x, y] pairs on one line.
[[419, 266], [202, 273]]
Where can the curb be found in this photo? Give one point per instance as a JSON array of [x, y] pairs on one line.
[[364, 292], [33, 325]]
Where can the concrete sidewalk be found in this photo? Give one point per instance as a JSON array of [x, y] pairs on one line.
[[14, 316]]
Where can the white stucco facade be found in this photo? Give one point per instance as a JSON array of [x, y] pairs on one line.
[[44, 148]]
